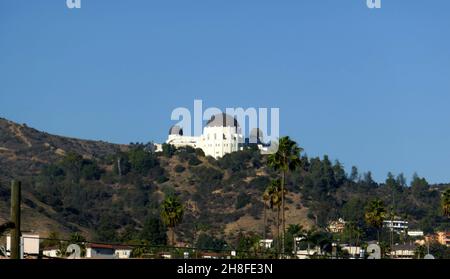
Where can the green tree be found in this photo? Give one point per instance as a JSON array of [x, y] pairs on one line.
[[445, 202], [339, 173], [172, 214], [354, 176], [419, 186], [375, 215], [293, 231], [154, 231], [168, 150], [52, 240], [75, 238], [401, 180], [242, 200], [141, 161], [273, 192], [208, 242], [248, 246], [72, 164], [287, 158]]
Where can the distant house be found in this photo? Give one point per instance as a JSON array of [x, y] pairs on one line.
[[307, 254], [29, 244], [266, 243], [123, 252], [100, 251], [165, 255], [443, 238], [211, 255], [399, 226], [353, 251], [415, 233], [337, 226], [107, 251], [403, 251], [51, 252]]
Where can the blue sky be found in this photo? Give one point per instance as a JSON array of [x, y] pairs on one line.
[[368, 87]]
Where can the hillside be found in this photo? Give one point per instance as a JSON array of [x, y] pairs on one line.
[[113, 193], [210, 193], [24, 151]]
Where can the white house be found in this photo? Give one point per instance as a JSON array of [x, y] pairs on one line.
[[266, 243], [100, 251], [307, 254], [337, 226], [123, 252], [51, 252], [403, 251], [29, 244], [108, 251], [353, 251], [415, 233], [396, 225]]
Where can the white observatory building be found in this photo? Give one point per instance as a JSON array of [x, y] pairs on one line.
[[221, 135]]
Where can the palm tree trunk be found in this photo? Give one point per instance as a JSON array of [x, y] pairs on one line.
[[265, 222], [173, 236], [283, 221], [278, 230]]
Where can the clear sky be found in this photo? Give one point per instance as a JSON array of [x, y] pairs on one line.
[[368, 87]]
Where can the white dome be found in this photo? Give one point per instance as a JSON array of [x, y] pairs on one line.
[[222, 120]]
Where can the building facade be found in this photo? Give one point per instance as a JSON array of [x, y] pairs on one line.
[[221, 135]]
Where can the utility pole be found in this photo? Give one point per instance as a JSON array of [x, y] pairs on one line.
[[392, 220], [15, 218]]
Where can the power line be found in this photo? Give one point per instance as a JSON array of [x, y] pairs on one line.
[[169, 247]]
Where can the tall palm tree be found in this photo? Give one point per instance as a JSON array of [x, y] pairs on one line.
[[266, 199], [273, 192], [286, 159], [375, 215], [446, 202], [172, 214]]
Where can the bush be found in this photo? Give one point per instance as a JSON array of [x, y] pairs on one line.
[[141, 161], [162, 179], [168, 150], [194, 161], [208, 242], [179, 169], [207, 175], [199, 152], [260, 183], [242, 200], [154, 231], [90, 171]]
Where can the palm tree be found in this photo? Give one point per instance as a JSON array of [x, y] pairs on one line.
[[172, 214], [446, 202], [273, 192], [287, 158], [266, 199], [375, 215]]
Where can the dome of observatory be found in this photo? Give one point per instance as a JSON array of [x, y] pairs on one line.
[[176, 130], [256, 135], [222, 120]]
